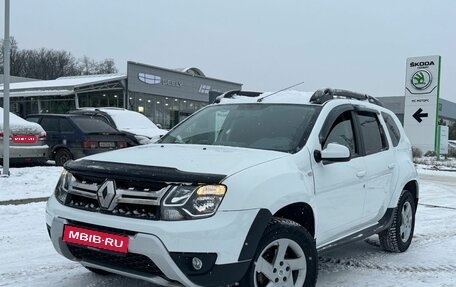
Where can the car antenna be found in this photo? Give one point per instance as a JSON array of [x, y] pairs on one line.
[[284, 89]]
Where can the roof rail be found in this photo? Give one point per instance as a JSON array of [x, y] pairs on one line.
[[230, 94], [324, 95]]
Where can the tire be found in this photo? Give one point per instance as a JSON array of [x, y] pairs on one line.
[[398, 236], [285, 256], [98, 271], [62, 156]]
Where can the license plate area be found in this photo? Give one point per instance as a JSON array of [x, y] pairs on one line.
[[96, 239], [107, 144], [24, 139]]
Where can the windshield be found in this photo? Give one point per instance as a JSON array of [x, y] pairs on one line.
[[127, 120], [93, 125], [279, 127]]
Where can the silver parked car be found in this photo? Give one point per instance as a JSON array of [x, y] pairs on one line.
[[27, 141]]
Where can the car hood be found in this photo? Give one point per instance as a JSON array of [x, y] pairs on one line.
[[191, 158]]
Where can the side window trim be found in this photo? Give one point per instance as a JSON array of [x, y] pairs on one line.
[[329, 123], [358, 136], [330, 119]]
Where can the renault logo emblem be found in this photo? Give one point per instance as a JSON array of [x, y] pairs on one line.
[[106, 194]]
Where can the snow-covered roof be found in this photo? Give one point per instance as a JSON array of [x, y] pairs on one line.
[[34, 93], [70, 82]]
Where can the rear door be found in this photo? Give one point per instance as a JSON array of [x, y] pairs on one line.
[[51, 126], [68, 134], [380, 164]]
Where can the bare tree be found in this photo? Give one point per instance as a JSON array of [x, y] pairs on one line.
[[49, 64], [88, 66]]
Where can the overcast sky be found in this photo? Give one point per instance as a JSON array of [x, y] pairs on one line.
[[266, 45]]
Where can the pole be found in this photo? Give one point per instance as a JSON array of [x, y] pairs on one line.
[[437, 117], [6, 86]]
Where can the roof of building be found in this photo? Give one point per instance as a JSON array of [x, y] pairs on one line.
[[190, 71], [64, 82], [15, 79]]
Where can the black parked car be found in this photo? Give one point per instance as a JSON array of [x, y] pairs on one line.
[[137, 126], [74, 136]]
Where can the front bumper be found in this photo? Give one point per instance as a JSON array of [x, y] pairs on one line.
[[223, 234]]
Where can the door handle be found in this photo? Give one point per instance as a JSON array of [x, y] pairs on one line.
[[391, 165], [361, 174]]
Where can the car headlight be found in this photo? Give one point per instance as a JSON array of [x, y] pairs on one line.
[[61, 190], [192, 202]]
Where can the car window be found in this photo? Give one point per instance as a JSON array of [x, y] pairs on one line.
[[65, 126], [393, 130], [372, 134], [50, 124], [33, 119], [341, 132], [104, 119], [93, 125]]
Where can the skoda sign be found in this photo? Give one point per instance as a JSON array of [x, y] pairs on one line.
[[421, 101], [421, 79]]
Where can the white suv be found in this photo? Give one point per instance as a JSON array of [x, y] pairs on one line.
[[246, 190]]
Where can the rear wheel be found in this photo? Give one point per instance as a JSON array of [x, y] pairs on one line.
[[286, 256], [62, 156], [398, 236]]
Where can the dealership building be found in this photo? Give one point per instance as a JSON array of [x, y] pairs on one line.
[[166, 96]]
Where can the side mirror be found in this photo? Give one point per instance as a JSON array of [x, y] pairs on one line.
[[334, 152]]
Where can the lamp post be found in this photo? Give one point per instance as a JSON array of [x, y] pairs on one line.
[[6, 86]]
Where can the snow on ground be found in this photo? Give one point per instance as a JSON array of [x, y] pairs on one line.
[[29, 182], [28, 258]]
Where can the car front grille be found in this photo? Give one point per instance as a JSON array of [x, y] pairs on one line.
[[130, 198]]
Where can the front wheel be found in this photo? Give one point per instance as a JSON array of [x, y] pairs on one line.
[[398, 236], [286, 256]]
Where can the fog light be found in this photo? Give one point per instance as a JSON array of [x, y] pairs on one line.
[[197, 263]]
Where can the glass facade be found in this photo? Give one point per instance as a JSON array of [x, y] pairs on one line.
[[23, 106], [110, 98], [166, 111]]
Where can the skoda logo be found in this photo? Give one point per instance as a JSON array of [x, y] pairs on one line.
[[421, 79], [106, 194]]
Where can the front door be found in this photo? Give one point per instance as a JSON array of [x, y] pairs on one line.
[[339, 186]]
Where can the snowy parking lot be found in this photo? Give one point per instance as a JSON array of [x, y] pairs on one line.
[[28, 258]]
